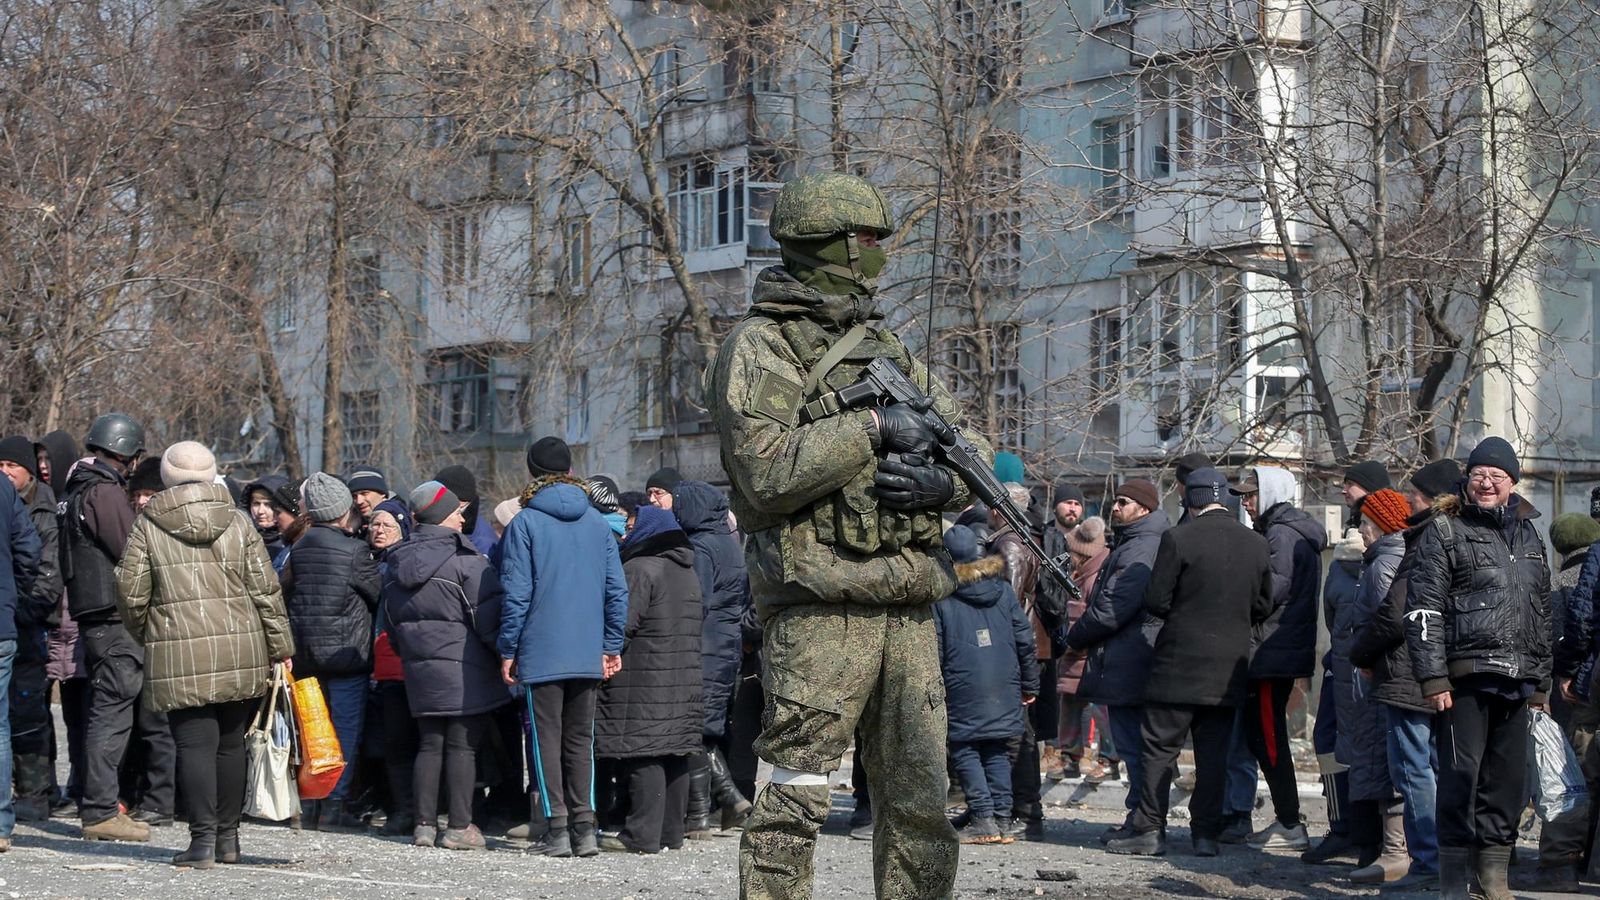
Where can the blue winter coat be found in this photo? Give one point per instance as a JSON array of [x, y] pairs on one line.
[[1578, 650], [19, 557], [1119, 635], [702, 512], [1363, 724], [986, 652], [566, 599]]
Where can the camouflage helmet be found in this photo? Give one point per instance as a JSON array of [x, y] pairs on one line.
[[824, 204]]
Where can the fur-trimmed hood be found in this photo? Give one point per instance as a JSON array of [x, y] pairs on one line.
[[544, 481], [978, 569], [982, 582]]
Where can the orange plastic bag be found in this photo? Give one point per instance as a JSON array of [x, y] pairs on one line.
[[321, 762]]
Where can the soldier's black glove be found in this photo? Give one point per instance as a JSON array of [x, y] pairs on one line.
[[903, 428], [911, 483]]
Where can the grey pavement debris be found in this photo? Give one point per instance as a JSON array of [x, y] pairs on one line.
[[52, 862]]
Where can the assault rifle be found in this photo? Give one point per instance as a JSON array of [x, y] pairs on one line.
[[884, 383]]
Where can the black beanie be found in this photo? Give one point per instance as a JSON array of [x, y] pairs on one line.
[[1370, 475], [1188, 463], [1066, 491], [146, 476], [549, 456], [1438, 477], [21, 451], [665, 478], [465, 487], [1494, 451]]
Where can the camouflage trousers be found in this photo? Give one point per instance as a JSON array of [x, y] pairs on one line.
[[828, 667]]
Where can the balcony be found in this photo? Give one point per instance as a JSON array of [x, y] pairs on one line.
[[1165, 27], [1196, 211], [758, 117]]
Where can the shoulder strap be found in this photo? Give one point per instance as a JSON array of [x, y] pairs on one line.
[[835, 354]]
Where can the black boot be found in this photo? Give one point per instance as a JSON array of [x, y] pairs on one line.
[[228, 845], [723, 790], [331, 816], [202, 852], [1453, 865], [33, 787], [584, 843], [558, 841], [696, 824]]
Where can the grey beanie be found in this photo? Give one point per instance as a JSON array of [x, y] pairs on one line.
[[324, 497], [188, 462]]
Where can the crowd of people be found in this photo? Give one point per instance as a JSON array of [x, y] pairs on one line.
[[586, 661]]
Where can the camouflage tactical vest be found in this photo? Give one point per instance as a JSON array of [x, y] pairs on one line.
[[850, 519]]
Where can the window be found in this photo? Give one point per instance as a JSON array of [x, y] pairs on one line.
[[1407, 130], [769, 169], [669, 385], [577, 406], [460, 248], [358, 412], [468, 393], [1188, 320], [707, 201], [647, 379], [849, 34], [285, 308], [576, 236], [960, 356], [666, 72], [1113, 11], [1168, 123], [988, 43], [1105, 348], [1113, 160], [997, 223]]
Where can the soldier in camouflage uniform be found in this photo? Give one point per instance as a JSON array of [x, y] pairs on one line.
[[845, 552]]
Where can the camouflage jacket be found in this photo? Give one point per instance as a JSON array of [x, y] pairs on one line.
[[803, 492]]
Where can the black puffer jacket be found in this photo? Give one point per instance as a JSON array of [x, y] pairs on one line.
[[1479, 598], [702, 511], [1115, 629], [652, 707], [331, 587], [441, 607], [1286, 643], [1380, 644]]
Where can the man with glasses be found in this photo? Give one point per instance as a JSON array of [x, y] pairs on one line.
[[1115, 629], [1478, 629]]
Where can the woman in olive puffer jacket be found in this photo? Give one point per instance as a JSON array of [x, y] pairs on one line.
[[195, 588]]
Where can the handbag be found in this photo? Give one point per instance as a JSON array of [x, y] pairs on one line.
[[321, 759], [270, 786]]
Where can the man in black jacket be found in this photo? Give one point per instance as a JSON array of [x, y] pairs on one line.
[[1478, 628], [1380, 648], [31, 725], [1115, 629], [1212, 582], [1286, 649], [95, 520], [331, 588]]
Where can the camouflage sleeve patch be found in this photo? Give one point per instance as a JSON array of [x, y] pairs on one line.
[[777, 398]]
